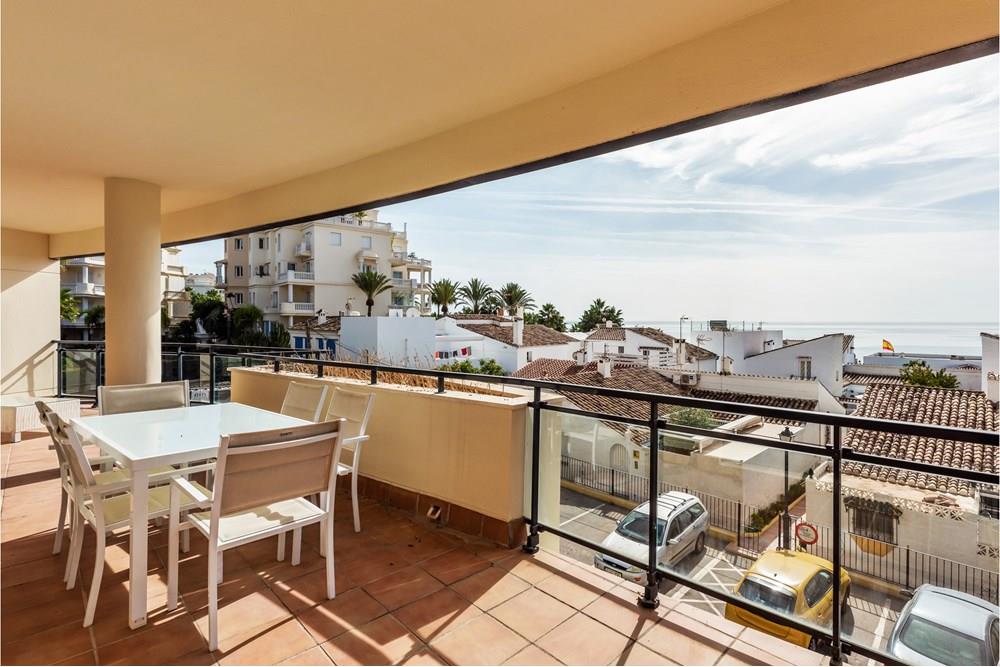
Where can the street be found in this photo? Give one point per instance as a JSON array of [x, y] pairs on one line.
[[869, 620]]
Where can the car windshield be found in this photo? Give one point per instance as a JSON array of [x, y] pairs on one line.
[[635, 526], [948, 647], [772, 596]]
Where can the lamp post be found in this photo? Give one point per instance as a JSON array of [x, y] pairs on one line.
[[230, 304], [786, 523], [680, 327]]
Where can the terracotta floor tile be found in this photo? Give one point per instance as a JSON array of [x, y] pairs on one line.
[[402, 587], [490, 551], [583, 641], [797, 655], [111, 620], [384, 641], [622, 614], [313, 656], [437, 614], [576, 588], [529, 568], [309, 589], [453, 565], [741, 653], [335, 617], [490, 587], [684, 646], [372, 565], [703, 617], [51, 645], [265, 647], [481, 641], [162, 645], [532, 613], [637, 654], [423, 657], [244, 617], [531, 655]]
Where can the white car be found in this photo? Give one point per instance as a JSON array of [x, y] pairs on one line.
[[681, 525]]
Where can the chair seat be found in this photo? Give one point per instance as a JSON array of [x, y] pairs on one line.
[[262, 519], [118, 509], [344, 470]]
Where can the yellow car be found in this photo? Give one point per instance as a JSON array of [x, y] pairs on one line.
[[792, 583]]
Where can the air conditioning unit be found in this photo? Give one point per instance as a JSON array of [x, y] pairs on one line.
[[686, 379]]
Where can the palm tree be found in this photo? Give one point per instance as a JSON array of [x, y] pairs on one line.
[[475, 294], [94, 319], [69, 307], [443, 292], [549, 316], [513, 296], [372, 283]]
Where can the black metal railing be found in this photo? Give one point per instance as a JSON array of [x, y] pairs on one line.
[[839, 645]]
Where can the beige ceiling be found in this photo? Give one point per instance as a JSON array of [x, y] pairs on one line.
[[255, 111]]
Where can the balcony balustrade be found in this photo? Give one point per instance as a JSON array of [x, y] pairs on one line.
[[296, 276], [296, 307], [87, 289], [303, 249]]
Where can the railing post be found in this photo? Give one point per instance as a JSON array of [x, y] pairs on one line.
[[277, 365], [650, 594], [739, 524], [319, 368], [835, 655], [440, 382], [373, 376], [211, 375], [98, 371], [907, 566], [180, 363], [60, 370], [531, 545]]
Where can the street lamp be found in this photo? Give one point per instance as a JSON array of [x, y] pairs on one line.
[[786, 524], [680, 327]]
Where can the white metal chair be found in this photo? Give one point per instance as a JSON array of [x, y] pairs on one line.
[[355, 409], [116, 399], [262, 481], [60, 440], [304, 401], [106, 507]]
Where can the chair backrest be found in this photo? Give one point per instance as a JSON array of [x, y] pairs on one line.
[[53, 424], [113, 400], [264, 467], [355, 408], [304, 401], [80, 471]]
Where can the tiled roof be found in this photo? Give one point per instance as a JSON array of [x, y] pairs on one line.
[[965, 367], [987, 333], [487, 317], [546, 368], [332, 324], [924, 405], [754, 399], [534, 334], [618, 334], [864, 378]]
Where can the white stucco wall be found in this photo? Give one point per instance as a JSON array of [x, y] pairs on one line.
[[406, 341], [990, 373], [826, 354]]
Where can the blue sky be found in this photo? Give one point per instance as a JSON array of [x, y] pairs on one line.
[[876, 205]]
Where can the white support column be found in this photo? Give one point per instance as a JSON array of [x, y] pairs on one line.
[[132, 291]]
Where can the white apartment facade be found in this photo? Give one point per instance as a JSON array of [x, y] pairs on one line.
[[84, 278], [295, 272], [646, 346]]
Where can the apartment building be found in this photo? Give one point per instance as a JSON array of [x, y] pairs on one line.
[[84, 278], [295, 272]]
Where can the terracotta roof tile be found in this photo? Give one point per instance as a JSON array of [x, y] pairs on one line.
[[866, 379], [754, 399], [618, 334], [534, 334], [924, 405]]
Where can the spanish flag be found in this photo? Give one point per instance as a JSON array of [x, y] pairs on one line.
[[887, 346]]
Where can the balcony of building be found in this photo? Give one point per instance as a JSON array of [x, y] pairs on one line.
[[410, 261], [296, 308], [86, 289], [296, 277], [303, 249]]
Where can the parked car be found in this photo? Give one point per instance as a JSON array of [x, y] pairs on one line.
[[681, 525], [793, 583], [939, 626]]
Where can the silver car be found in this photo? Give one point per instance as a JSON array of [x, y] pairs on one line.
[[681, 525], [940, 626]]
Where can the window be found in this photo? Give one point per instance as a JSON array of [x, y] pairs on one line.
[[290, 266], [678, 525], [817, 587], [253, 297], [989, 506], [278, 237], [239, 270], [529, 356], [238, 244], [805, 368], [262, 243], [239, 297], [872, 519], [366, 242], [695, 511], [335, 238], [621, 349], [319, 343], [274, 299], [300, 342], [397, 275]]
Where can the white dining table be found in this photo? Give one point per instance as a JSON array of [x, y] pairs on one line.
[[142, 441]]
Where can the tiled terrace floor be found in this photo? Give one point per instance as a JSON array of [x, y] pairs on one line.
[[407, 593]]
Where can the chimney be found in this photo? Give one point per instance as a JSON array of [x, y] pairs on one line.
[[604, 366], [580, 357], [321, 317], [518, 333], [727, 365], [682, 349], [608, 324]]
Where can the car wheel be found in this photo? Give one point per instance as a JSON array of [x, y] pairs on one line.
[[699, 544], [844, 599]]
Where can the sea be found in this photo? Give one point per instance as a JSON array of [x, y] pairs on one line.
[[913, 337]]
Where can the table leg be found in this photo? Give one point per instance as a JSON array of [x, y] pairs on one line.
[[137, 549]]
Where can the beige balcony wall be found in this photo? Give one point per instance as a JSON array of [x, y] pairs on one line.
[[465, 449], [29, 313]]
